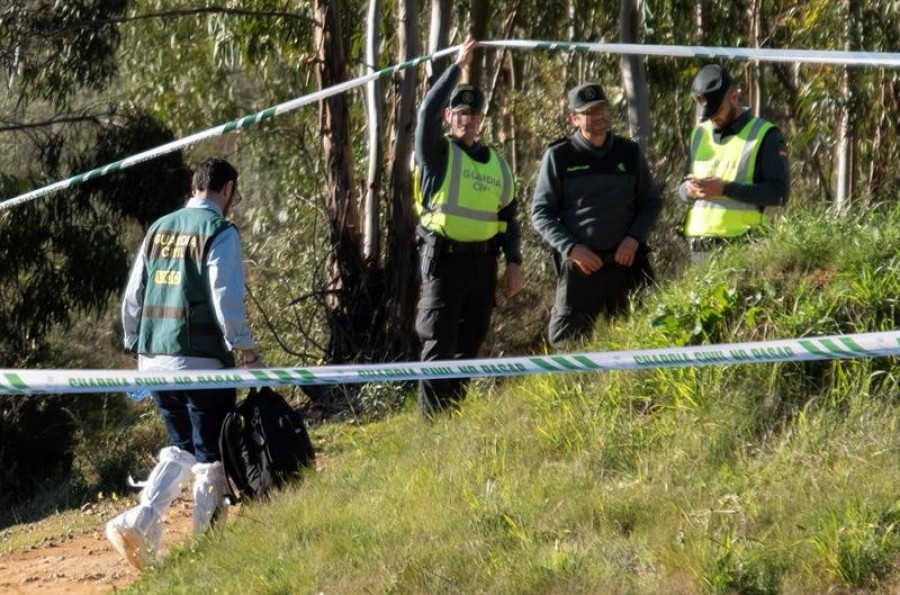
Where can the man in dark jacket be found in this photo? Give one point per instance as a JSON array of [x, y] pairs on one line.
[[594, 204]]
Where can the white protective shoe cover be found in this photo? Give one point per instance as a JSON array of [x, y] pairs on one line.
[[136, 533], [209, 495]]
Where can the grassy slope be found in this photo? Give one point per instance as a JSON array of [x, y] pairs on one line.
[[751, 479]]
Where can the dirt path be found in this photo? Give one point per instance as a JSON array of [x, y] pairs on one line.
[[82, 562]]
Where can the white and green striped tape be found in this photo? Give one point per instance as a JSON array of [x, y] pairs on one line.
[[834, 57], [19, 382], [871, 59]]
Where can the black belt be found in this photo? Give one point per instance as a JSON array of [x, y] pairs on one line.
[[449, 246], [440, 245]]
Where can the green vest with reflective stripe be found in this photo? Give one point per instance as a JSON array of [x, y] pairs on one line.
[[177, 316], [732, 161], [466, 205]]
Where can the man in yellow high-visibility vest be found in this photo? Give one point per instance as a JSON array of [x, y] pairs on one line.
[[737, 166], [465, 199]]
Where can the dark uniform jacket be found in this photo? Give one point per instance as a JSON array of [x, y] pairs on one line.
[[594, 196]]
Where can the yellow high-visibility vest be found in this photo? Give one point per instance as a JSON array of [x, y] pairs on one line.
[[732, 161], [465, 207]]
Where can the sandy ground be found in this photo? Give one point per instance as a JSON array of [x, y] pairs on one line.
[[84, 563]]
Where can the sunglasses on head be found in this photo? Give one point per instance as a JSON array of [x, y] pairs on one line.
[[711, 87]]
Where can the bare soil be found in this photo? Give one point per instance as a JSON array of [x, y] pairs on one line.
[[83, 562]]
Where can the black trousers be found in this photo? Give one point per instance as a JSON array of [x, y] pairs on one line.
[[581, 299], [453, 317]]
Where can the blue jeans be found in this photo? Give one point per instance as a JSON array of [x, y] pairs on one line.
[[193, 419]]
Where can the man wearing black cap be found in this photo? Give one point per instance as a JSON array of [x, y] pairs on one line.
[[738, 166], [594, 204], [465, 198]]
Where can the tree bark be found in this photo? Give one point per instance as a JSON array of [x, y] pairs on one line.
[[634, 77], [371, 236], [846, 126], [699, 35], [754, 18], [401, 261], [438, 38], [478, 28], [345, 305], [699, 9]]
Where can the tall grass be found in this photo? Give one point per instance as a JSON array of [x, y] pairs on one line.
[[755, 479]]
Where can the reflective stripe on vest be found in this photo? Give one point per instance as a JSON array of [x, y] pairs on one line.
[[732, 161], [466, 205]]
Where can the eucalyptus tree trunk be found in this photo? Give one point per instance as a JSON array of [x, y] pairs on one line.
[[754, 18], [511, 124], [574, 72], [374, 103], [438, 37], [846, 126], [478, 27], [333, 119], [401, 261], [699, 34], [698, 11], [345, 305], [842, 148], [634, 76]]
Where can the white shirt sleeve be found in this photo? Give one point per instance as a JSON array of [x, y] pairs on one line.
[[226, 287], [133, 302]]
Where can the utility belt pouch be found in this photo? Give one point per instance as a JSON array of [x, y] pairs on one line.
[[429, 249]]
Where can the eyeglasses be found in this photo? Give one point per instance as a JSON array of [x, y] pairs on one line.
[[237, 196]]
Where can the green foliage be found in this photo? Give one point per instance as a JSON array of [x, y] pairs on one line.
[[113, 441], [737, 568], [694, 322], [67, 256], [142, 193], [859, 545], [60, 47], [60, 260]]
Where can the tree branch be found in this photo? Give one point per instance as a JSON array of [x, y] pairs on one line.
[[9, 127], [271, 327], [187, 12]]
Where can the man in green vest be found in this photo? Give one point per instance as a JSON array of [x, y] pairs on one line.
[[465, 198], [738, 166], [184, 310]]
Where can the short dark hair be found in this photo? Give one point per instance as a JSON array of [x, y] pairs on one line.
[[213, 174]]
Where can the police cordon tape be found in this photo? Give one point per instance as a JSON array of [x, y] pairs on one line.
[[19, 382], [850, 58]]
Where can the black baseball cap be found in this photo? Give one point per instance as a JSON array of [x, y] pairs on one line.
[[710, 87], [467, 97], [586, 96]]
